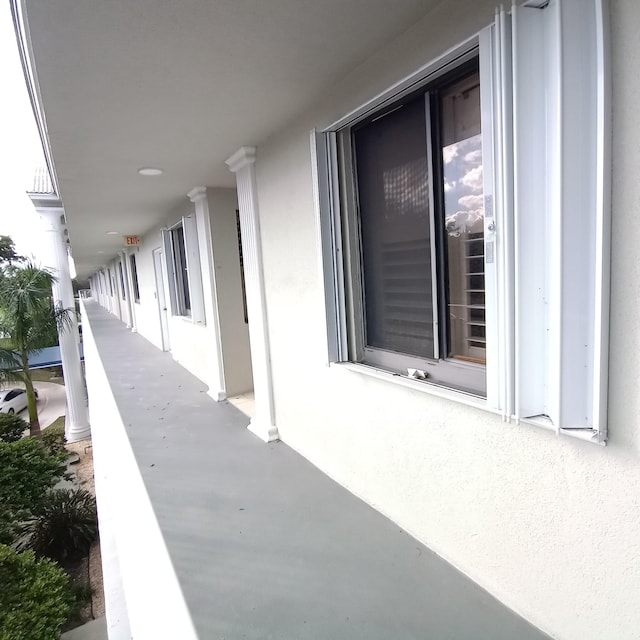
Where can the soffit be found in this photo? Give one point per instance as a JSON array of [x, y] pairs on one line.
[[181, 85]]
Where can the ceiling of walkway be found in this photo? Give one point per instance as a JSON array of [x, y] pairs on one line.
[[181, 85]]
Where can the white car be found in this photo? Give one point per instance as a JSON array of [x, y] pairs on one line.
[[14, 400]]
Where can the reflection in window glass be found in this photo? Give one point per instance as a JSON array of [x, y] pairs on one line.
[[464, 219]]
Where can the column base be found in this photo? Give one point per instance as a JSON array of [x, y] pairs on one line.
[[78, 432], [218, 396], [266, 432]]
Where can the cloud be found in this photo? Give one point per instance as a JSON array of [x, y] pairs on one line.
[[449, 186], [464, 222], [449, 153], [474, 157], [471, 203], [473, 179]]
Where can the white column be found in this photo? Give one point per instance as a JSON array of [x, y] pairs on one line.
[[128, 301], [198, 196], [242, 163], [77, 418]]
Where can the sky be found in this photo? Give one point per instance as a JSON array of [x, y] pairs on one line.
[[20, 149]]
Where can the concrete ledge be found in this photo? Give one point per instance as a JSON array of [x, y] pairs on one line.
[[134, 556]]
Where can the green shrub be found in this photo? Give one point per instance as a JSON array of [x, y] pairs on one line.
[[27, 472], [12, 427], [64, 527], [54, 439], [36, 597]]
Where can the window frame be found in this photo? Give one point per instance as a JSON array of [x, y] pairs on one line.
[[465, 376], [541, 368], [184, 271], [180, 271]]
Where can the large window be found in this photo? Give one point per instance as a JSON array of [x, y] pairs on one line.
[[464, 222], [414, 171]]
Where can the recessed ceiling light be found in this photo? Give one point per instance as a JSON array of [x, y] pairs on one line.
[[100, 251], [112, 233], [150, 171]]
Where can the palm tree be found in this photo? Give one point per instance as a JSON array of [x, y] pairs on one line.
[[29, 321]]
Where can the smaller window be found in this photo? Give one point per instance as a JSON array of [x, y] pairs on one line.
[[184, 275], [181, 271], [110, 284], [123, 289], [134, 278]]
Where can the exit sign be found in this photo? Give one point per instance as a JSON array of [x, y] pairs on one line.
[[132, 241]]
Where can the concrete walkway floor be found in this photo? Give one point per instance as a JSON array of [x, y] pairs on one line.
[[263, 543]]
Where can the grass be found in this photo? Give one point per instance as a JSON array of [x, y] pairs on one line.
[[57, 424]]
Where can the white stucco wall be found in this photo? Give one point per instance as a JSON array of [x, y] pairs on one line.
[[549, 525], [146, 310], [187, 346], [111, 294], [193, 345]]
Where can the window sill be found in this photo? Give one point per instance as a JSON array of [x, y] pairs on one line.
[[189, 320], [586, 435], [418, 385], [467, 399]]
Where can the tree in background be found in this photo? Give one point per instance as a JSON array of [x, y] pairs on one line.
[[8, 253], [29, 321]]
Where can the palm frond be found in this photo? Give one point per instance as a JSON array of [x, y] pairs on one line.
[[10, 366], [28, 319]]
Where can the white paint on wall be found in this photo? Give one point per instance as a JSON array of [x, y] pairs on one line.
[[146, 310], [187, 341], [549, 525], [192, 345]]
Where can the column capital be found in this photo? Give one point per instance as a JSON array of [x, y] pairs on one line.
[[197, 194], [53, 217], [241, 158]]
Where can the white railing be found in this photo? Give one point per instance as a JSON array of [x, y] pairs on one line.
[[142, 593]]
